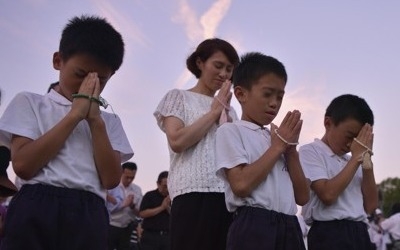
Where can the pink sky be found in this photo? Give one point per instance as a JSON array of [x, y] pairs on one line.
[[328, 47]]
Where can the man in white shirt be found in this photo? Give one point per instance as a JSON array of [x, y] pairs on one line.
[[123, 203]]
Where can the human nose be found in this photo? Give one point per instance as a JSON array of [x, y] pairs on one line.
[[273, 102], [224, 73]]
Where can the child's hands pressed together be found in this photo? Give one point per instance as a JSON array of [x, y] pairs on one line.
[[94, 110], [84, 101], [363, 142], [287, 135]]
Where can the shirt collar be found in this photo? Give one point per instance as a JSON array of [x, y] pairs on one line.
[[327, 150], [58, 98], [251, 125]]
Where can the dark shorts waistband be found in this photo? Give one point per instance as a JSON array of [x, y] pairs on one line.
[[38, 189], [258, 211], [340, 222]]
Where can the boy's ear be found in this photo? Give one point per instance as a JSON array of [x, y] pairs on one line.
[[57, 60], [327, 122], [240, 94]]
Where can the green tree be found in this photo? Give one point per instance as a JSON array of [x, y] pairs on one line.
[[389, 193]]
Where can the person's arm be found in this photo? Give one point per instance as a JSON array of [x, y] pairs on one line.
[[134, 208], [107, 160], [29, 156], [150, 212], [300, 184], [243, 179], [328, 190], [369, 191], [115, 200], [181, 137]]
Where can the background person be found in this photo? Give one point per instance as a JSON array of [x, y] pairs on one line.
[[391, 226], [155, 210], [123, 202]]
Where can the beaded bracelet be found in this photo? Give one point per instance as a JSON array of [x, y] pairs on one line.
[[81, 96], [101, 101], [365, 146], [284, 140], [96, 100], [366, 162]]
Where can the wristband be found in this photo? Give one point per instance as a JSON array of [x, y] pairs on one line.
[[81, 96], [284, 140]]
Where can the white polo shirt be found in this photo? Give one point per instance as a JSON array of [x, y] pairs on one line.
[[243, 142], [121, 217], [319, 162], [31, 115]]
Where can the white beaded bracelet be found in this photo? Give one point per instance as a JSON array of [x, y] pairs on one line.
[[366, 161], [284, 140]]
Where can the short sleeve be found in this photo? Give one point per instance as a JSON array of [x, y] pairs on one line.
[[19, 118], [172, 104], [312, 164], [146, 202], [230, 151], [118, 139]]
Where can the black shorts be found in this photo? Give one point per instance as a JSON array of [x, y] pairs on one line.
[[261, 229], [199, 221], [42, 217], [338, 234]]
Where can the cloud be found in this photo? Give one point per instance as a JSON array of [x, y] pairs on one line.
[[188, 17], [199, 29], [205, 27], [212, 18], [121, 22]]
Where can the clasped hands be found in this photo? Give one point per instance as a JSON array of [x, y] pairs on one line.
[[222, 102], [286, 136], [361, 146], [86, 102]]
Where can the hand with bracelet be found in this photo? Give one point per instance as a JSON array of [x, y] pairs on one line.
[[288, 133], [361, 147], [87, 99]]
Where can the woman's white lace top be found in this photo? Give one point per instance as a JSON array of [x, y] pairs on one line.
[[193, 170]]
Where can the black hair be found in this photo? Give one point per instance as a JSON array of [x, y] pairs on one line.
[[162, 175], [129, 165], [93, 36], [348, 106], [206, 49], [253, 66]]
